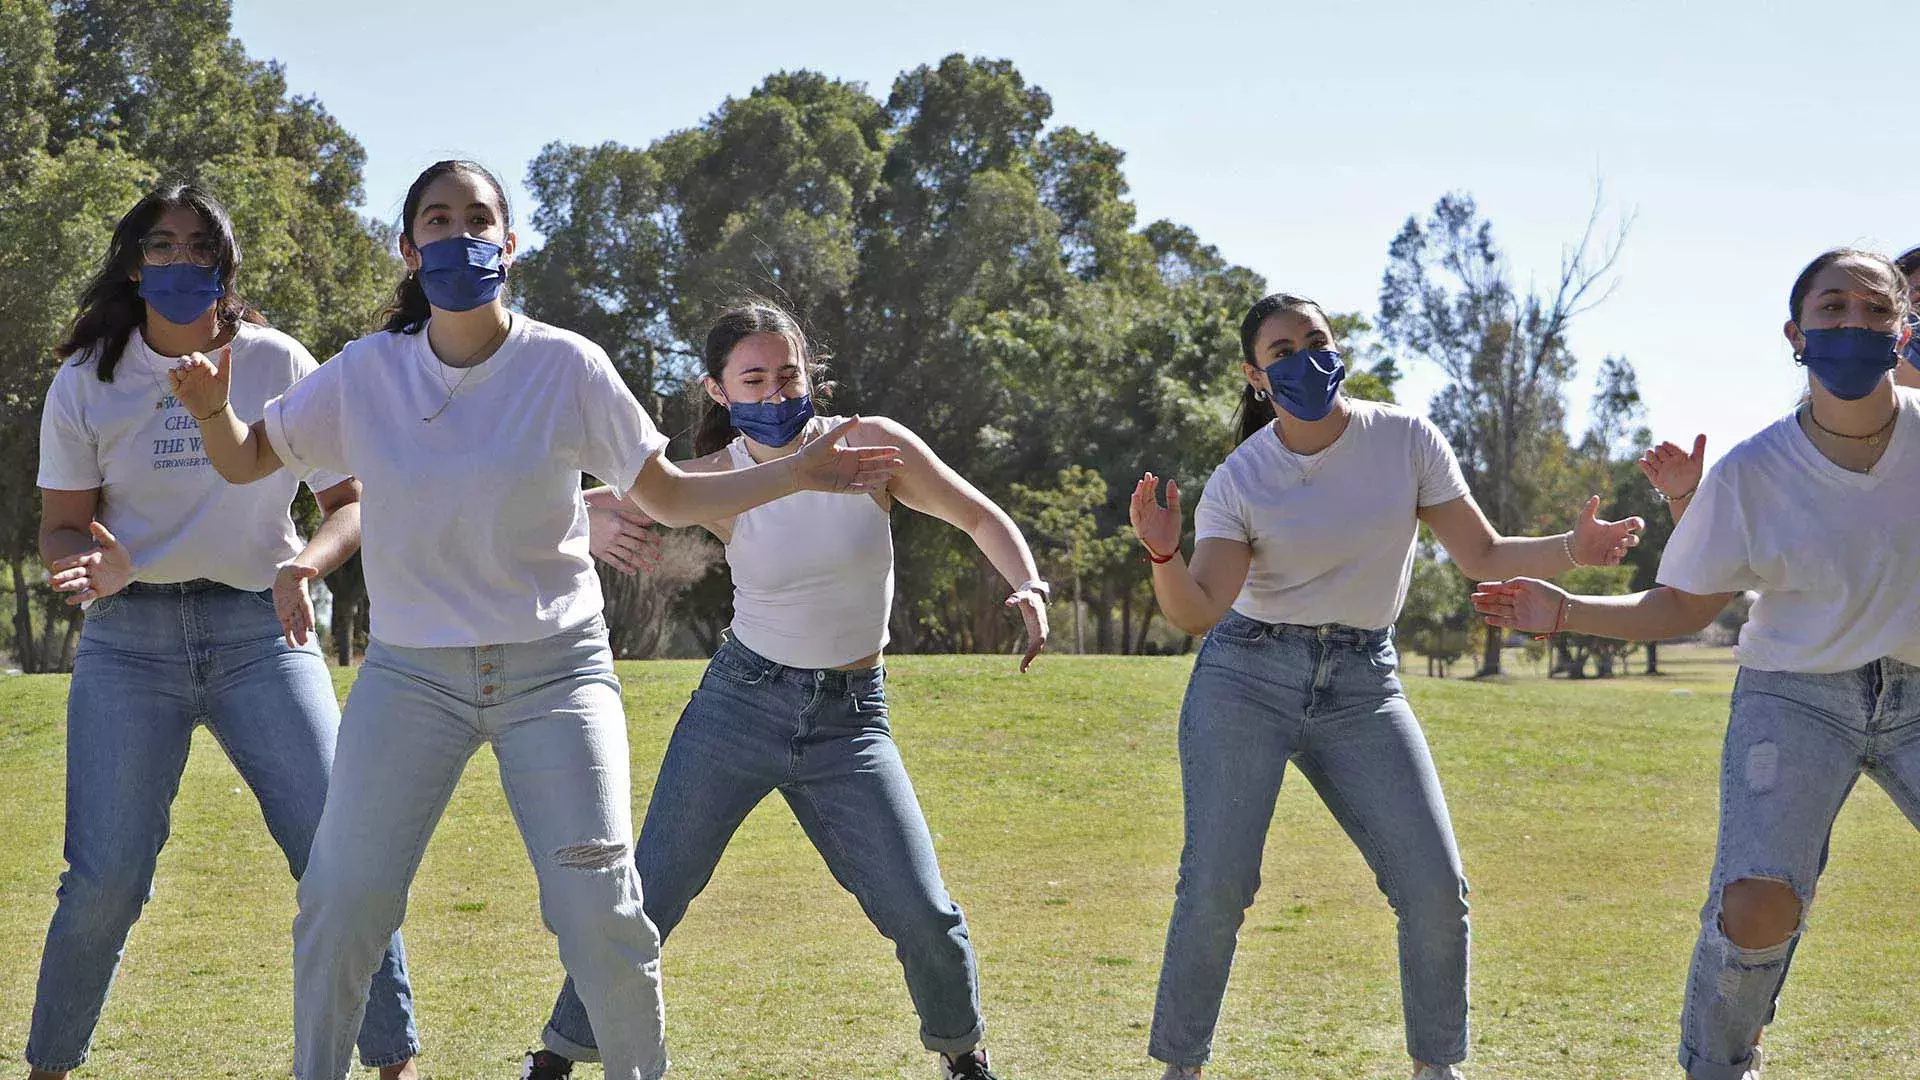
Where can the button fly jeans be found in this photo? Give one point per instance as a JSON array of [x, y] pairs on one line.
[[821, 738], [1327, 700], [551, 711]]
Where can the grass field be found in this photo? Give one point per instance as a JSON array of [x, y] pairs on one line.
[[1585, 815]]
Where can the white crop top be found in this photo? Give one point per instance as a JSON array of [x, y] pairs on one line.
[[812, 573]]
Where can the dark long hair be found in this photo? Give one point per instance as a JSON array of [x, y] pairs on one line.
[[1803, 284], [735, 325], [111, 309], [1253, 413], [409, 310]]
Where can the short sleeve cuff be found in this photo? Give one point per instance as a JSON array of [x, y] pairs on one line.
[[1450, 491], [652, 443], [283, 447], [52, 478], [319, 481], [1216, 533]]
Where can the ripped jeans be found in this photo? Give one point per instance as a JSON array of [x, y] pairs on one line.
[[1795, 746], [551, 711]]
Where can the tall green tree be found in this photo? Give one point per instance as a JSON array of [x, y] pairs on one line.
[[100, 100]]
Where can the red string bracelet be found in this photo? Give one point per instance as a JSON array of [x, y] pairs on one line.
[[1560, 621], [1156, 558]]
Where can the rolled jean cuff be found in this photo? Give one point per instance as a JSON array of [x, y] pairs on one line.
[[1184, 1061], [411, 1051], [42, 1066], [566, 1047], [1699, 1068], [956, 1046]]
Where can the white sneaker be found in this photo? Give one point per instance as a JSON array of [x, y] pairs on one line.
[[1438, 1072], [1181, 1072]]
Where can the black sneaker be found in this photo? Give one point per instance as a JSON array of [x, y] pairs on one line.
[[545, 1065], [971, 1065]]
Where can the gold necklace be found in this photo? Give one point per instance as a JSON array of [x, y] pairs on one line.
[[454, 388], [1871, 439]]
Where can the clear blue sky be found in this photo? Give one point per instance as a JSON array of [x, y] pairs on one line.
[[1743, 137]]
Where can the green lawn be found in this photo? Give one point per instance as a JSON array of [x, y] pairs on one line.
[[1585, 814]]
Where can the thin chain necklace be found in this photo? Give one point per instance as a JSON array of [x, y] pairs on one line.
[[454, 387], [1874, 438], [1319, 457]]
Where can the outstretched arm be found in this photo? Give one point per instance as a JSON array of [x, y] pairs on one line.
[[1193, 596], [676, 498], [928, 485], [1483, 554], [1534, 606]]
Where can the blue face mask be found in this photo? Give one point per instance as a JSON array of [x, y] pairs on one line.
[[180, 292], [1912, 352], [772, 423], [462, 272], [1849, 362], [1305, 382]]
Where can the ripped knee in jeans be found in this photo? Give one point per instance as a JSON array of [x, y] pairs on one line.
[[1760, 913], [592, 855]]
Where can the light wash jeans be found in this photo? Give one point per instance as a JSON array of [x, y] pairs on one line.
[[1796, 744], [551, 711], [154, 661], [1327, 699], [820, 738]]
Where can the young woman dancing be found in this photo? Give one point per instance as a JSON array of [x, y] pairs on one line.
[[795, 701], [1819, 513], [1304, 543], [469, 427]]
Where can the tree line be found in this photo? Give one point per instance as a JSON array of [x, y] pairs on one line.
[[975, 270]]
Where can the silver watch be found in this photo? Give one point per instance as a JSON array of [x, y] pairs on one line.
[[1036, 585]]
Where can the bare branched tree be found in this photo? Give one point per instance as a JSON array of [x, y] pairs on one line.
[[1448, 296]]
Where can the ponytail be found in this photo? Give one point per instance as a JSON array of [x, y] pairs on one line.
[[1252, 415], [409, 310]]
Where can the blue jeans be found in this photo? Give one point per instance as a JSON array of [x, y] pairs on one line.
[[154, 661], [551, 711], [1796, 744], [821, 738], [1327, 699]]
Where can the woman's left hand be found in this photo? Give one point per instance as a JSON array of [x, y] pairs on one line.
[[1603, 543], [291, 604], [619, 535], [1033, 608]]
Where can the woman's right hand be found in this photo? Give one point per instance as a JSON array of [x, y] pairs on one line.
[[91, 575], [1158, 527], [202, 385], [1672, 471], [822, 465], [1528, 605]]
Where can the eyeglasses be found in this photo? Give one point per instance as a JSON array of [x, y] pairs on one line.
[[165, 251]]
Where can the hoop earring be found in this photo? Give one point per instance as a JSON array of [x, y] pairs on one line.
[[1262, 395]]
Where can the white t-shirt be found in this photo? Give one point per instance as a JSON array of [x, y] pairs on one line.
[[473, 527], [1338, 547], [159, 497], [1834, 555]]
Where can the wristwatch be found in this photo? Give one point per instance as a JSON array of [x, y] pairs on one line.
[[1036, 585]]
